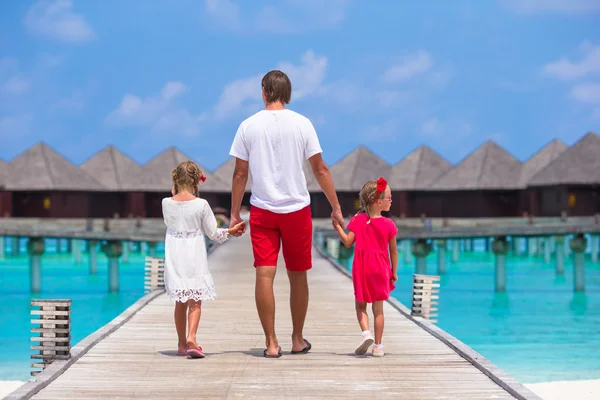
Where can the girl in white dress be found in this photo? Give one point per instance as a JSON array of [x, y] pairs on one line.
[[187, 279]]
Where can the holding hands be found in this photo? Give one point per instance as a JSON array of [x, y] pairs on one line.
[[237, 226]]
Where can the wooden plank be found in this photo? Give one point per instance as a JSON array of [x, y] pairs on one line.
[[138, 360]]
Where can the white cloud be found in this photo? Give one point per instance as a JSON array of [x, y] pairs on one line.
[[385, 130], [566, 70], [553, 6], [158, 112], [586, 93], [56, 19], [432, 127], [411, 66], [16, 85], [307, 79], [288, 16]]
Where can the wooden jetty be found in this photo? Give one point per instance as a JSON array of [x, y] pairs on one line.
[[134, 357]]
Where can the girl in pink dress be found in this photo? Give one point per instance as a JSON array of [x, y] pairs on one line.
[[373, 274]]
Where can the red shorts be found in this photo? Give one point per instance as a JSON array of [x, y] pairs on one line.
[[269, 231]]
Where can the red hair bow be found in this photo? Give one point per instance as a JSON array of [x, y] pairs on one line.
[[203, 178], [381, 186]]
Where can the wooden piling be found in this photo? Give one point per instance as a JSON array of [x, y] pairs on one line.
[[425, 296], [54, 328], [154, 277]]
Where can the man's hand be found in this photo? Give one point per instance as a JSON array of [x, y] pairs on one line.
[[235, 220], [337, 218]]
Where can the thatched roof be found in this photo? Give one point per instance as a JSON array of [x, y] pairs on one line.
[[4, 174], [541, 160], [115, 171], [490, 167], [42, 168], [225, 173], [357, 168], [580, 164], [158, 173], [418, 169]]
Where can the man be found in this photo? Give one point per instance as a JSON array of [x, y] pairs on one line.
[[273, 145]]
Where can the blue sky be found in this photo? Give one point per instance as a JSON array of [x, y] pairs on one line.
[[144, 75]]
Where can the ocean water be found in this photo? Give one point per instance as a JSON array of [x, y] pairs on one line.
[[62, 278], [539, 330]]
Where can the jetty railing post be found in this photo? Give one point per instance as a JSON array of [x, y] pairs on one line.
[[578, 244], [93, 250], [420, 250], [560, 255], [54, 328], [113, 250], [35, 248], [424, 296], [441, 244], [154, 274], [500, 248]]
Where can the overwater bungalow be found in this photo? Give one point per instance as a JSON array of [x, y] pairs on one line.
[[571, 182], [410, 178], [124, 182], [485, 183], [159, 182], [528, 201], [5, 195], [45, 184]]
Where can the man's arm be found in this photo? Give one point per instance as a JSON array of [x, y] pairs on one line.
[[238, 187], [323, 176]]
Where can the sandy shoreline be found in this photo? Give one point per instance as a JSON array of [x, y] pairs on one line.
[[567, 390], [562, 390]]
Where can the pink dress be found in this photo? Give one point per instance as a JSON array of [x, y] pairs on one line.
[[372, 269]]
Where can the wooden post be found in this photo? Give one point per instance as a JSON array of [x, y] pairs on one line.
[[578, 245], [126, 252], [594, 247], [425, 291], [441, 244], [93, 250], [530, 246], [500, 248], [144, 248], [333, 247], [420, 250], [152, 246], [560, 255], [407, 246], [154, 274], [76, 247], [455, 249], [35, 248], [15, 246], [113, 250], [1, 247], [54, 328], [547, 250]]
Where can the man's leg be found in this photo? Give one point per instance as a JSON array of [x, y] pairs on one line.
[[265, 245], [298, 306], [265, 304], [296, 237]]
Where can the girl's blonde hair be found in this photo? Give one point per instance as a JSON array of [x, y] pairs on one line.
[[186, 174], [369, 194]]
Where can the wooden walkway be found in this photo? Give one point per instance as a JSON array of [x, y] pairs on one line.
[[138, 360]]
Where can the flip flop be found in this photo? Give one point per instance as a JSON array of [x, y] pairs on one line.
[[195, 353], [279, 354], [181, 354], [305, 350]]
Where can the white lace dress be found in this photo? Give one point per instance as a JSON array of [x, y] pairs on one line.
[[186, 263]]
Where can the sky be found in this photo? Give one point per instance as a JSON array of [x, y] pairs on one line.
[[144, 75]]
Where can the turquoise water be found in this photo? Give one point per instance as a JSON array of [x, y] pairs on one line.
[[92, 305], [538, 331]]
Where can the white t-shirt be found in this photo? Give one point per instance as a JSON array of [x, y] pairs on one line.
[[276, 143]]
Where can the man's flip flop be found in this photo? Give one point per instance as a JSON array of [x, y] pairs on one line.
[[279, 354], [305, 350]]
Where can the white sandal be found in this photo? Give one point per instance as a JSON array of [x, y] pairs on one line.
[[367, 341], [378, 350]]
